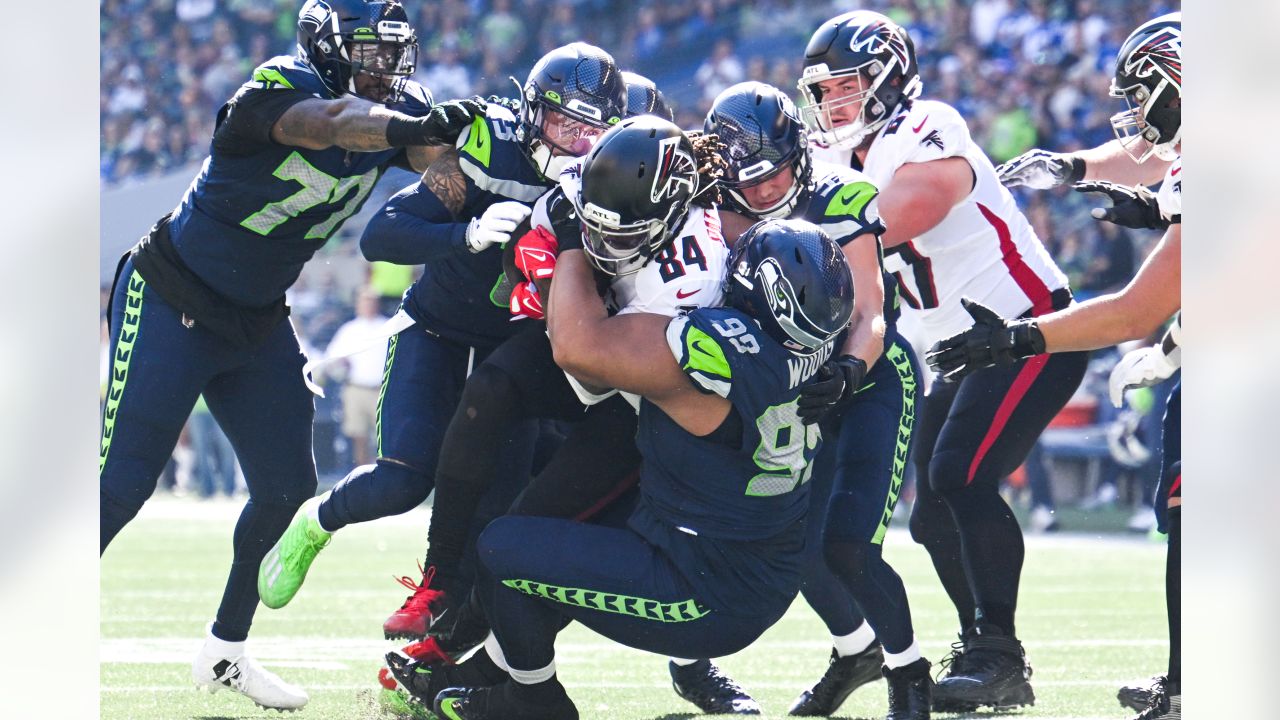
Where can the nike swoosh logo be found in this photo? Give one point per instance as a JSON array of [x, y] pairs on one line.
[[1176, 171], [697, 345], [680, 294], [849, 198], [916, 129]]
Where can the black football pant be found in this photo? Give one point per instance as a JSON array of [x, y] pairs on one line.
[[971, 435]]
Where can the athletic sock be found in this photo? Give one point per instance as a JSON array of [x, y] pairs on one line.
[[681, 662], [855, 642], [904, 658]]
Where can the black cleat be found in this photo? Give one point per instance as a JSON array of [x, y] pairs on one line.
[[713, 692], [500, 703], [910, 691], [993, 671], [460, 628], [409, 686], [1138, 696], [1164, 705], [843, 676]]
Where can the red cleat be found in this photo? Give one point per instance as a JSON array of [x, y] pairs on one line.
[[427, 651], [413, 618]]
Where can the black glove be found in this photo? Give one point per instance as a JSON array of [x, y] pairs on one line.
[[441, 126], [991, 341], [511, 104], [831, 388], [564, 221], [1133, 207]]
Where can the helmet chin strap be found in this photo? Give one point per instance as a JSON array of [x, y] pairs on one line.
[[548, 163]]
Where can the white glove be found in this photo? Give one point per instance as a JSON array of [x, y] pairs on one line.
[[1041, 170], [1143, 367], [496, 225]]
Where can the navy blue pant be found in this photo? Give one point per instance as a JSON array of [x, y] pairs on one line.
[[537, 572], [422, 383], [1169, 491], [158, 369], [856, 483], [971, 435]]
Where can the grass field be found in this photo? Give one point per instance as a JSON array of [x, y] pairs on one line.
[[1091, 618]]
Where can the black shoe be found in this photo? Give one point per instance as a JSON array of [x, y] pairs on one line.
[[1164, 705], [953, 663], [993, 672], [461, 628], [409, 687], [843, 676], [1138, 696], [910, 691], [505, 702], [713, 692]]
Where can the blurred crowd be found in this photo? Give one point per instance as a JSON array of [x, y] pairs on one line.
[[1025, 73]]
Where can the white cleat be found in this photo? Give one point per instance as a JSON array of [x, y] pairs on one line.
[[221, 664]]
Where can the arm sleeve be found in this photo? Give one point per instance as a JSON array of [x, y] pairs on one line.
[[244, 124], [413, 228]]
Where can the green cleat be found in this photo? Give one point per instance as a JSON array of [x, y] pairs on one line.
[[285, 566]]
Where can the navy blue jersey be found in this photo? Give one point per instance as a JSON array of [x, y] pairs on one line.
[[751, 486], [259, 210], [458, 294], [843, 203]]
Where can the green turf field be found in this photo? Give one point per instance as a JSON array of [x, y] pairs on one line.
[[1091, 617]]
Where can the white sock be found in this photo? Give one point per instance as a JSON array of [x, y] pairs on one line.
[[855, 642], [314, 512], [492, 647], [533, 677], [906, 657], [681, 662], [217, 647]]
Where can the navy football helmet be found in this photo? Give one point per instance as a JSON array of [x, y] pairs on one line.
[[1149, 79], [644, 97], [582, 83], [872, 47], [793, 279], [637, 183], [358, 47], [762, 135]]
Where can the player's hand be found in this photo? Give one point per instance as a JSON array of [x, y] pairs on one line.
[[1134, 207], [1041, 170], [495, 226], [511, 104], [831, 388], [448, 119], [1143, 367], [992, 340], [536, 254], [527, 302]]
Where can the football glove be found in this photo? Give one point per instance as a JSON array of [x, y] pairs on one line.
[[1143, 367], [526, 302], [440, 126], [536, 254], [1041, 170], [511, 104], [832, 387], [495, 226], [1132, 207], [992, 340]]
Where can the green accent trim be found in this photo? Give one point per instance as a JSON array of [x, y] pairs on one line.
[[499, 286], [120, 363], [364, 33], [705, 354], [386, 380], [609, 602], [553, 96], [271, 77], [906, 421], [852, 199], [615, 120], [446, 709], [479, 141]]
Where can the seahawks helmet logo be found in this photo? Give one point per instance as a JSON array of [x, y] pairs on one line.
[[676, 170]]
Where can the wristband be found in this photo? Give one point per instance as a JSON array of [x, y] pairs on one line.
[[403, 131]]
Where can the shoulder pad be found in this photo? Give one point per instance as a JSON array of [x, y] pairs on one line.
[[700, 356], [928, 130], [1169, 197], [288, 73], [493, 160], [844, 203], [416, 100]]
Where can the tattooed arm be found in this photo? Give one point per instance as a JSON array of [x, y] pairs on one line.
[[356, 124], [423, 221]]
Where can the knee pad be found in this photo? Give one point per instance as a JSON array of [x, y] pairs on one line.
[[949, 472], [931, 521], [489, 394], [847, 558]]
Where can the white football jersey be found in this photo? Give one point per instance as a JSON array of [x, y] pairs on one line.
[[688, 273], [1169, 196], [984, 249]]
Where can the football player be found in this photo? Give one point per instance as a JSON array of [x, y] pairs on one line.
[[1148, 77], [656, 250], [712, 554], [455, 221], [858, 475], [952, 231], [644, 97], [198, 305]]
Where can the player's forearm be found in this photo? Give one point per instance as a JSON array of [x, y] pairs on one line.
[[867, 326], [397, 236], [575, 319], [1111, 163], [1100, 322]]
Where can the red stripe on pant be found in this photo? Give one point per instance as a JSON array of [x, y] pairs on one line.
[[1031, 284], [624, 485], [1021, 384], [1177, 486]]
